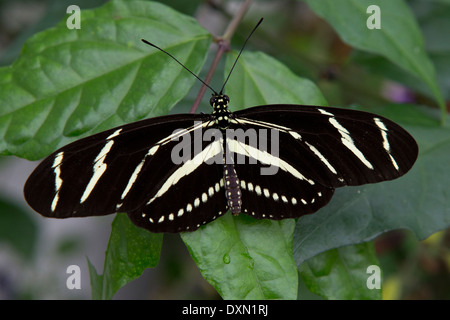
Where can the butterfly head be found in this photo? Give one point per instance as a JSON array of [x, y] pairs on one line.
[[219, 102]]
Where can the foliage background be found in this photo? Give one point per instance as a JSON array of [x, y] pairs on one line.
[[35, 252]]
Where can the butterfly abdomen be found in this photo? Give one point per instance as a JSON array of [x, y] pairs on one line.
[[233, 192]]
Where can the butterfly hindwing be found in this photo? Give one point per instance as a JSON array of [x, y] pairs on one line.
[[280, 195], [274, 181], [184, 202]]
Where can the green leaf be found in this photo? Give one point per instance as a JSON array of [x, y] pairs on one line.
[[72, 83], [434, 19], [399, 39], [418, 201], [235, 254], [341, 273], [96, 281], [55, 10], [130, 251], [259, 79]]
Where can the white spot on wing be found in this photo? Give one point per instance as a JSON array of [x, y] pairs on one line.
[[386, 144], [135, 174], [189, 166], [321, 157], [326, 112], [132, 179], [114, 134], [99, 167], [58, 181], [265, 157], [295, 135], [349, 143], [153, 150]]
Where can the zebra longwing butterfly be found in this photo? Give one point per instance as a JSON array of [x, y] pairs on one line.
[[131, 168]]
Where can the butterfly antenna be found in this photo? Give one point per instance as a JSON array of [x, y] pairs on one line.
[[162, 50], [242, 49]]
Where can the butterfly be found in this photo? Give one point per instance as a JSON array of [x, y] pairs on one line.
[[178, 172]]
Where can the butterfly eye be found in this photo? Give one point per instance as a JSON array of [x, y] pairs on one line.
[[226, 98], [212, 100]]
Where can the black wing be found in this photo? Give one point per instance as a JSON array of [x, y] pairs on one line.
[[121, 169], [316, 150], [337, 147]]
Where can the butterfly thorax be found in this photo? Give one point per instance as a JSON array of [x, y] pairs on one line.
[[221, 114]]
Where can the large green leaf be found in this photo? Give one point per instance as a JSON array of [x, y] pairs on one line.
[[68, 83], [434, 20], [241, 257], [399, 39], [130, 251]]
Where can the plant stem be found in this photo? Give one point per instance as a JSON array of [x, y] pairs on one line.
[[223, 45]]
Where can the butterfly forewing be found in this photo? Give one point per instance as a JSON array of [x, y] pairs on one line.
[[102, 174], [337, 147]]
